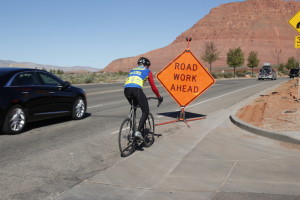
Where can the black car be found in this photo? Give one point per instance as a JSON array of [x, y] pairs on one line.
[[294, 73], [28, 95]]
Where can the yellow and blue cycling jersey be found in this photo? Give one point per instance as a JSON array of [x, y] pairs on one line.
[[137, 77]]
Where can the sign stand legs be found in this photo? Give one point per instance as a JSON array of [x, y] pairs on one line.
[[181, 119]]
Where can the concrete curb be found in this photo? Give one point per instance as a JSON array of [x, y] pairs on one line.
[[284, 137]]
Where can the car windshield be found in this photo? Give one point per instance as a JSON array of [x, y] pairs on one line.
[[263, 71], [294, 70]]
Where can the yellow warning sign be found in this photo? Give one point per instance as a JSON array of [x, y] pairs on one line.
[[295, 21], [297, 42], [185, 78]]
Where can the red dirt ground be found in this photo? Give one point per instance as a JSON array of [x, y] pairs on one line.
[[279, 110]]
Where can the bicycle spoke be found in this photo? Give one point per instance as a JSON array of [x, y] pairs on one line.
[[126, 140], [149, 131]]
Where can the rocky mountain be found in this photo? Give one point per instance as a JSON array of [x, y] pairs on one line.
[[81, 69], [253, 25]]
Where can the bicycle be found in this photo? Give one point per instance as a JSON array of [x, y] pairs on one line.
[[127, 141]]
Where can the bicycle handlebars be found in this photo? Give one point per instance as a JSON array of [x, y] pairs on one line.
[[159, 102]]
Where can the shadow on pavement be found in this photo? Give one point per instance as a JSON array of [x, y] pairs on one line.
[[176, 114]]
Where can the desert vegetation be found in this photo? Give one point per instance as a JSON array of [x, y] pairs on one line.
[[235, 60], [80, 78]]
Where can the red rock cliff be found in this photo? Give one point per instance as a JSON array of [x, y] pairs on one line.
[[253, 25]]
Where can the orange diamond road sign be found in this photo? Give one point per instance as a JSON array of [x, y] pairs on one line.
[[295, 21], [185, 78]]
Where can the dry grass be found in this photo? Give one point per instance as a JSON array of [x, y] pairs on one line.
[[93, 77]]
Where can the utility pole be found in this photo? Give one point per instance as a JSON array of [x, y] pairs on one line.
[[278, 51]]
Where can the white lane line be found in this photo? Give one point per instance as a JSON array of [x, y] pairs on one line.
[[223, 95], [110, 91], [103, 92], [114, 132], [216, 97], [94, 106], [119, 131]]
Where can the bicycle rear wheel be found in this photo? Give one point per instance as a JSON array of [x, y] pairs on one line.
[[149, 131], [126, 139]]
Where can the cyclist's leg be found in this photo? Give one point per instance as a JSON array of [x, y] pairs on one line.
[[143, 102]]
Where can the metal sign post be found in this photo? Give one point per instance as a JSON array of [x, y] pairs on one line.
[[181, 119]]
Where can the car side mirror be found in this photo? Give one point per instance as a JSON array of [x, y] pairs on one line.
[[64, 85], [67, 84]]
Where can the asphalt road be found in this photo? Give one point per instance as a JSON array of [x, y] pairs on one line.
[[52, 156]]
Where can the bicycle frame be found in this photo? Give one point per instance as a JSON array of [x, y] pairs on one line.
[[130, 125], [132, 116]]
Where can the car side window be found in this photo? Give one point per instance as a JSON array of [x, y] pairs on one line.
[[26, 78], [49, 80]]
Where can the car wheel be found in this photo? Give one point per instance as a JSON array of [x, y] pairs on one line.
[[15, 120], [79, 109]]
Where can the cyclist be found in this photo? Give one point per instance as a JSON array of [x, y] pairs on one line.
[[133, 90]]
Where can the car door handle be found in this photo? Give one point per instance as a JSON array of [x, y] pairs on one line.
[[51, 92], [25, 92]]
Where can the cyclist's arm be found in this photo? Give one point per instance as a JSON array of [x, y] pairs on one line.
[[152, 84]]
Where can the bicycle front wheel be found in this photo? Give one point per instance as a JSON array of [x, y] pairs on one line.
[[126, 139], [149, 131]]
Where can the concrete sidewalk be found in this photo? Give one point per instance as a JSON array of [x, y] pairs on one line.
[[213, 159]]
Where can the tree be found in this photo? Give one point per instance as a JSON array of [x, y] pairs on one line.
[[235, 58], [59, 71], [282, 69], [292, 63], [210, 54], [252, 60]]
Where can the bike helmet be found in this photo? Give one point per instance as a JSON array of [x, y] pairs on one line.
[[143, 61]]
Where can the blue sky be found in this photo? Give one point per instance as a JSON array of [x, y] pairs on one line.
[[93, 32]]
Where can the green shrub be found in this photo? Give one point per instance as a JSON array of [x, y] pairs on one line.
[[122, 73], [282, 70], [228, 74], [90, 78], [241, 73], [217, 75]]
